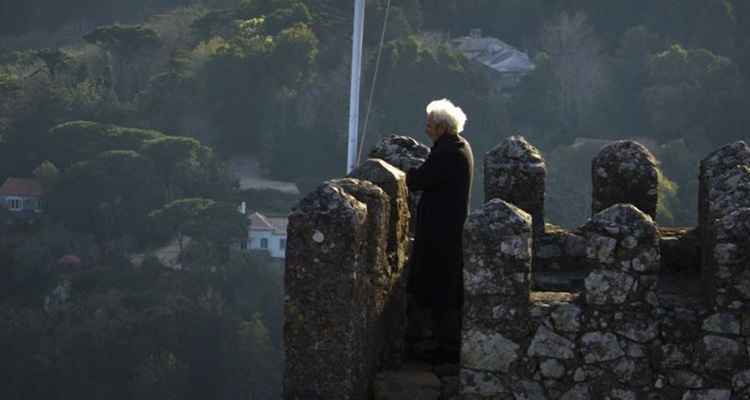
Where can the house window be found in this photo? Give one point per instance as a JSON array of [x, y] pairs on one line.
[[282, 244], [15, 204], [264, 243], [29, 204]]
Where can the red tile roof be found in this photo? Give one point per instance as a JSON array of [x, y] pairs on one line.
[[21, 187]]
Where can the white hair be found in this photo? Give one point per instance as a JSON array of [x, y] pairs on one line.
[[443, 111]]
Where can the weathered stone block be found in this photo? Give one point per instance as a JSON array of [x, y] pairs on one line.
[[402, 152], [497, 251], [481, 383], [567, 317], [715, 165], [326, 307], [622, 248], [728, 273], [578, 392], [599, 346], [488, 351], [546, 343], [719, 353], [515, 171], [393, 182], [625, 172], [729, 191], [708, 394]]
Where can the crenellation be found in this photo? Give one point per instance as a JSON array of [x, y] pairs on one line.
[[345, 303], [630, 317], [625, 172], [515, 171]]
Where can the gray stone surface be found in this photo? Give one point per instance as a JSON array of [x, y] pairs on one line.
[[403, 152], [599, 346], [578, 392], [480, 383], [624, 172], [722, 323], [729, 268], [324, 328], [714, 165], [344, 288], [729, 191], [567, 317], [547, 343], [721, 354], [720, 172], [621, 394], [622, 248], [488, 352], [741, 380], [528, 390], [708, 394], [686, 379], [609, 287], [552, 368], [515, 171]]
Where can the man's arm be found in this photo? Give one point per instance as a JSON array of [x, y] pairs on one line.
[[430, 175]]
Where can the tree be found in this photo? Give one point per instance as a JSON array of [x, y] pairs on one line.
[[174, 157], [109, 196], [126, 46], [54, 59], [579, 67], [180, 218], [694, 94], [48, 175], [76, 141]]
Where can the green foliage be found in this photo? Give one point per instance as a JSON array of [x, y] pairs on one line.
[[156, 331], [682, 82], [122, 40], [48, 175], [76, 141], [108, 196], [180, 218], [667, 200]]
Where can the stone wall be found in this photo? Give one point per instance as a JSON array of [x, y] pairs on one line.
[[619, 338], [345, 284], [624, 332], [618, 323]]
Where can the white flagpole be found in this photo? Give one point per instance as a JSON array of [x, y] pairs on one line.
[[359, 24]]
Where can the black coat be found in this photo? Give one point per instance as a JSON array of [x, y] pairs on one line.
[[437, 259]]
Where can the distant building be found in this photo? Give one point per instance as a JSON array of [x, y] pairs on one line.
[[22, 196], [504, 64], [267, 234]]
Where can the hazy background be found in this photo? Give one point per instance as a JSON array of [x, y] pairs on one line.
[[148, 121]]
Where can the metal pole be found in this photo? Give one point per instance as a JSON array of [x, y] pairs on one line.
[[359, 24]]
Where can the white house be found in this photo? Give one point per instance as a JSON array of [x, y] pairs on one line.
[[21, 196], [267, 233]]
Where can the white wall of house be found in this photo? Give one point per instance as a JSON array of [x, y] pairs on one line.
[[268, 241], [20, 203]]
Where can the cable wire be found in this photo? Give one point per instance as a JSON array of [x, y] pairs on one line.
[[374, 81]]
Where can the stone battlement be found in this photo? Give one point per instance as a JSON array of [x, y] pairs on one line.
[[604, 311]]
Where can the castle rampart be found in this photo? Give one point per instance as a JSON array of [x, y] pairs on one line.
[[636, 324]]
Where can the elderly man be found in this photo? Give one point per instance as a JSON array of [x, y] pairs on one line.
[[437, 260]]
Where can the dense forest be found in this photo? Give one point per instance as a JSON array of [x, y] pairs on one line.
[[127, 113]]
